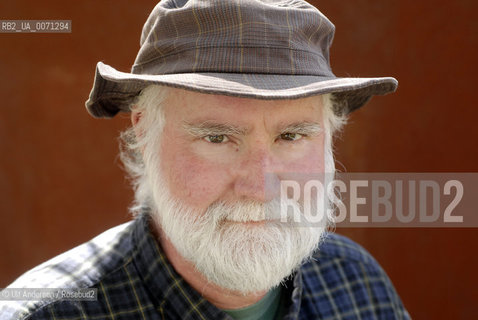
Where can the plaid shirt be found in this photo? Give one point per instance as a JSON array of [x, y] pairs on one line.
[[135, 281]]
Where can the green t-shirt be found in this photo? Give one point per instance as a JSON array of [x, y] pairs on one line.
[[268, 308]]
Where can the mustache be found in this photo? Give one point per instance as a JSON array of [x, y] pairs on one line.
[[249, 210]]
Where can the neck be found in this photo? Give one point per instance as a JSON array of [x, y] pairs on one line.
[[220, 297]]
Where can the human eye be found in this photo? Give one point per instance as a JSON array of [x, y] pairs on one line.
[[291, 136], [216, 138]]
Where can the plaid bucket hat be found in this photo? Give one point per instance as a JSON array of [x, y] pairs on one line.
[[262, 49]]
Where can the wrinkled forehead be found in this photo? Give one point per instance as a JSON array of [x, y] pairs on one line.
[[196, 106]]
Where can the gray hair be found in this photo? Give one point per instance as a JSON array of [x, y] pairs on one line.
[[134, 140]]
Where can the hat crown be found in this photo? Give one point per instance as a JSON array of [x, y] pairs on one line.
[[235, 36]]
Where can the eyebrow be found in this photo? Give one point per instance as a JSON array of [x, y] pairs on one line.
[[207, 128], [304, 128]]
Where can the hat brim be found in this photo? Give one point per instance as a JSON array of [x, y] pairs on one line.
[[114, 91]]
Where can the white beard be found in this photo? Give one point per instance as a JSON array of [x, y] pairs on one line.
[[242, 257]]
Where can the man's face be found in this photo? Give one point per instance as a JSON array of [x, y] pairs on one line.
[[217, 148], [214, 156]]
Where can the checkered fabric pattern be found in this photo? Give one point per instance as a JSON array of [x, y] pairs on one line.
[[135, 281]]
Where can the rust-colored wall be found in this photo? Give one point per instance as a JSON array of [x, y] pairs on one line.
[[60, 183]]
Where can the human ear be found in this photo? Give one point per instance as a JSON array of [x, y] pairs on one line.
[[135, 118]]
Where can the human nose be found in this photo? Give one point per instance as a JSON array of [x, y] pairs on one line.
[[256, 175]]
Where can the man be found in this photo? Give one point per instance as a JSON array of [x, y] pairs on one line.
[[226, 99]]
